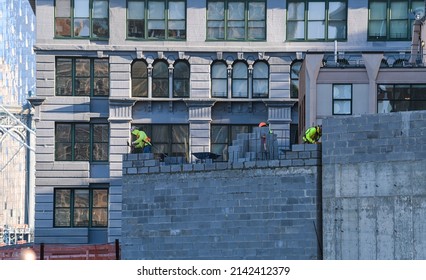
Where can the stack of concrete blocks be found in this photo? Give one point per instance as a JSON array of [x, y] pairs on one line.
[[250, 146]]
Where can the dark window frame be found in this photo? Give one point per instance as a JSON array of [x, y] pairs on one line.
[[219, 79], [400, 101], [306, 21], [181, 76], [68, 84], [254, 79], [227, 23], [98, 26], [139, 80], [72, 221], [350, 100], [295, 77], [235, 79], [134, 24], [388, 20], [92, 141]]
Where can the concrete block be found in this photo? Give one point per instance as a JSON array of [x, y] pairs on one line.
[[178, 167]]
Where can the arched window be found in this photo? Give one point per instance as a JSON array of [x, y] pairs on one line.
[[260, 79], [181, 75], [294, 78], [139, 79], [160, 79], [240, 80], [219, 79]]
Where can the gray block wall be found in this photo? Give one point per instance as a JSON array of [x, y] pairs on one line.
[[241, 210], [374, 186]]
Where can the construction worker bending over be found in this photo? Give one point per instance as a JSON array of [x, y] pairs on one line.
[[313, 134], [142, 144]]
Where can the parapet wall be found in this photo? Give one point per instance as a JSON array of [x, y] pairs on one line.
[[374, 186], [239, 210]]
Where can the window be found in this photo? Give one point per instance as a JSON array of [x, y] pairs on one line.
[[160, 79], [139, 79], [260, 79], [342, 99], [222, 136], [240, 79], [82, 77], [390, 19], [81, 142], [156, 19], [81, 207], [236, 20], [294, 78], [87, 19], [316, 20], [219, 79], [168, 140], [181, 73], [403, 97]]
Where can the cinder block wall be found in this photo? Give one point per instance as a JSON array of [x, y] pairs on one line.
[[241, 210], [374, 186]]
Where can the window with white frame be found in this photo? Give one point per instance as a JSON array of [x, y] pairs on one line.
[[82, 19], [316, 20], [342, 99]]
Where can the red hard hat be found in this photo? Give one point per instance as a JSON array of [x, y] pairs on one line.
[[262, 124]]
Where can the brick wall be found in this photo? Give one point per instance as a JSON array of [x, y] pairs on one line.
[[240, 210]]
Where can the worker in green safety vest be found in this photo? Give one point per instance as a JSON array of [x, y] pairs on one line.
[[142, 144], [313, 135]]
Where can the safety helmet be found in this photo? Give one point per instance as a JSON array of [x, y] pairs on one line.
[[262, 124]]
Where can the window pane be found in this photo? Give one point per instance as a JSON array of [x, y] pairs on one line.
[[101, 68], [136, 28], [63, 133], [63, 151], [216, 30], [136, 10], [139, 87], [100, 198], [398, 29], [82, 151], [235, 30], [81, 198], [260, 70], [296, 11], [81, 27], [100, 151], [100, 9], [160, 70], [337, 11], [256, 30], [377, 28], [63, 86], [239, 70], [399, 10], [62, 8], [63, 67], [316, 11], [139, 69], [219, 70], [316, 30], [82, 133], [81, 217], [100, 27], [336, 30], [181, 70], [219, 88], [82, 67], [101, 133], [296, 30], [176, 10], [63, 27], [62, 198], [256, 11], [81, 8], [342, 107], [99, 217], [180, 88], [418, 92], [219, 134], [160, 88], [236, 11], [260, 88], [239, 88], [156, 10], [216, 11], [101, 87], [62, 217], [180, 134], [295, 69], [342, 92], [82, 86], [378, 10]]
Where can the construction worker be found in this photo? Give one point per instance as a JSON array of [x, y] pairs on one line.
[[313, 134], [142, 144], [264, 124]]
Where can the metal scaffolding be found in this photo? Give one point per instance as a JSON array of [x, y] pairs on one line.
[[11, 126], [15, 235]]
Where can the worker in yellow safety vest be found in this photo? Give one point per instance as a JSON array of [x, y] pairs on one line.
[[313, 134], [142, 144]]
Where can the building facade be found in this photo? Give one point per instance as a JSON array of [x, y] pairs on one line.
[[17, 80], [192, 74]]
